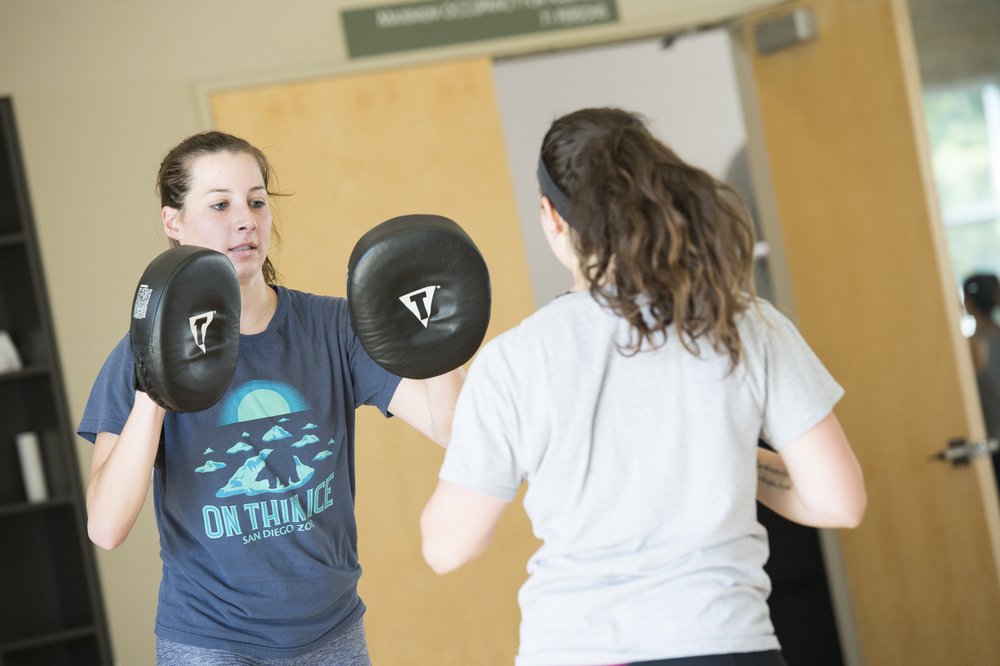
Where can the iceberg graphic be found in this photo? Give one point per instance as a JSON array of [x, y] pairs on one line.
[[322, 454], [239, 447], [210, 466], [331, 442], [282, 420], [246, 434], [247, 480], [208, 451], [275, 433], [310, 426], [306, 441]]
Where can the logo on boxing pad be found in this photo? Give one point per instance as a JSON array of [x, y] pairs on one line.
[[419, 302], [199, 328], [142, 295]]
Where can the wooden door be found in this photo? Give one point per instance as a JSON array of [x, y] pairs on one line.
[[354, 151], [838, 128]]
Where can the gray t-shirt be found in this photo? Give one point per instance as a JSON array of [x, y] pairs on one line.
[[642, 478]]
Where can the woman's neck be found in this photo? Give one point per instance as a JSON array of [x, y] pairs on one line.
[[258, 304]]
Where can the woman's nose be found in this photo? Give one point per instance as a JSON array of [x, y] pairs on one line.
[[247, 221]]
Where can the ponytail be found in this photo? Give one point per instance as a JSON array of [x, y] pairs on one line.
[[661, 243]]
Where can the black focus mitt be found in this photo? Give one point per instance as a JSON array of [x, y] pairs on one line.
[[419, 295], [185, 330]]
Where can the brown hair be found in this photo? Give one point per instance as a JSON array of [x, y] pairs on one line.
[[661, 243], [174, 178]]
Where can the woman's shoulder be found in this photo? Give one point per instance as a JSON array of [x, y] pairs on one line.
[[762, 323], [552, 324], [121, 354], [761, 313], [309, 300], [303, 310]]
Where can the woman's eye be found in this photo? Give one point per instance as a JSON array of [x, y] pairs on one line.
[[222, 205], [258, 203]]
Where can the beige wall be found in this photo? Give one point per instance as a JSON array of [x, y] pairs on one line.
[[101, 89]]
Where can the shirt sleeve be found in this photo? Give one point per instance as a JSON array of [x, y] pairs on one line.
[[481, 455], [373, 384], [800, 391], [112, 395]]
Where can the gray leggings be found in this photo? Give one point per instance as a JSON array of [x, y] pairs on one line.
[[348, 649]]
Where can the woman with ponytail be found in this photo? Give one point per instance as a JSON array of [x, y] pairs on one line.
[[632, 407]]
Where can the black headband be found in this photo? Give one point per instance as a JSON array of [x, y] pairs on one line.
[[559, 200]]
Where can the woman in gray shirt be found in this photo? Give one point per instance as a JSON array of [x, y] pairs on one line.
[[632, 407]]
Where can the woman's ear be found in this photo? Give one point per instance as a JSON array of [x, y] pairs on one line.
[[552, 222], [557, 235], [171, 222]]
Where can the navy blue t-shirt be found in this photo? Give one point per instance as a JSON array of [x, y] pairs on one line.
[[254, 497]]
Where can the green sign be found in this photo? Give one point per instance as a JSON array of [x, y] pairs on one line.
[[418, 25]]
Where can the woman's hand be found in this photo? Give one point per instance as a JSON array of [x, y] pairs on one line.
[[429, 404]]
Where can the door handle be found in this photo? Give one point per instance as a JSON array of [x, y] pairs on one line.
[[961, 451]]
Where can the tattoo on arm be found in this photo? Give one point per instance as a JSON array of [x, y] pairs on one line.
[[773, 476]]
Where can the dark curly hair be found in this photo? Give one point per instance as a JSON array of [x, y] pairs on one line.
[[652, 232], [174, 178]]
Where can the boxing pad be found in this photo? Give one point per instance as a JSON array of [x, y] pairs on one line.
[[185, 330], [419, 295]]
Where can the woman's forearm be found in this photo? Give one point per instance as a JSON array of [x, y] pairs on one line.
[[121, 470], [815, 480], [442, 394]]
